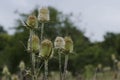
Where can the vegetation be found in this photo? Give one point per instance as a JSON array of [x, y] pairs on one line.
[[13, 47]]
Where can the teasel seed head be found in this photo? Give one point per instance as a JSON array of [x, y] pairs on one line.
[[99, 66], [22, 66], [5, 70], [46, 49], [35, 44], [59, 43], [113, 57], [32, 22], [43, 15], [68, 44], [14, 77]]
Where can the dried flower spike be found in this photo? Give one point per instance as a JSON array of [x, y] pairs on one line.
[[22, 66], [32, 22], [68, 44], [35, 44], [43, 15], [59, 43], [46, 49], [5, 71]]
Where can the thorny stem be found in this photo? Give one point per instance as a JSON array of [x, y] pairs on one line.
[[32, 56], [60, 64], [38, 60], [42, 30], [65, 67], [46, 70], [38, 73]]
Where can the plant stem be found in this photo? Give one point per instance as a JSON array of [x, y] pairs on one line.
[[21, 75], [60, 65], [46, 70], [32, 55], [42, 30], [65, 67]]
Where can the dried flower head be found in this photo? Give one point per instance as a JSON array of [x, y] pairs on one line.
[[32, 22], [46, 49], [43, 15], [35, 46], [5, 71], [113, 57], [22, 65], [14, 77], [68, 44], [99, 66], [59, 43]]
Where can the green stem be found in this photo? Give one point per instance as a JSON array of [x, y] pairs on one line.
[[33, 65], [42, 31], [65, 67], [60, 65], [32, 55], [46, 70]]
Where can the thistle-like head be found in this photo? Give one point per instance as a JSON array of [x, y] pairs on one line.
[[32, 22], [43, 15], [22, 65], [59, 43], [46, 49], [5, 70], [68, 44], [35, 44]]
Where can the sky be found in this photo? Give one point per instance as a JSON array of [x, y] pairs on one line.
[[95, 17]]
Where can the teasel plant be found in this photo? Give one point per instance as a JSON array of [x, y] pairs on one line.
[[59, 45], [22, 69], [115, 61], [34, 45], [46, 45], [46, 53], [68, 50], [6, 73], [41, 50]]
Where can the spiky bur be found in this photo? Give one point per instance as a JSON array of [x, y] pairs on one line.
[[22, 66], [68, 44], [35, 46], [43, 15], [5, 71], [32, 22], [46, 49], [14, 77], [59, 43]]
